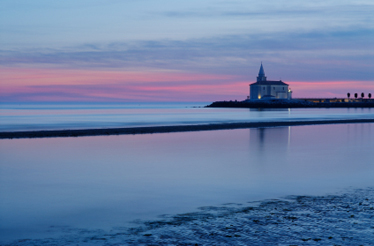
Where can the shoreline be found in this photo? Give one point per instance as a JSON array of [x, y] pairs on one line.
[[168, 129], [331, 219]]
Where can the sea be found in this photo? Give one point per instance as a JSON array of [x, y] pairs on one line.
[[59, 116], [53, 187]]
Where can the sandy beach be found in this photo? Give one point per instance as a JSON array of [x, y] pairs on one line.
[[169, 129]]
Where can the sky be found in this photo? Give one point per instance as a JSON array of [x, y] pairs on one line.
[[152, 50]]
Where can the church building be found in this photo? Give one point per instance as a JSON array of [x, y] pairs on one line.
[[268, 89]]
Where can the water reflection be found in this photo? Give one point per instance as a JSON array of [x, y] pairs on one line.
[[269, 136], [268, 109], [103, 182], [71, 116]]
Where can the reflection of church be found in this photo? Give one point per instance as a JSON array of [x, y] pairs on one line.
[[268, 89], [275, 140]]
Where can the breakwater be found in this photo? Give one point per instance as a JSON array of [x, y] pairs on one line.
[[169, 129], [296, 103]]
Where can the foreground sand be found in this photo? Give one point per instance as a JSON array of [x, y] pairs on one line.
[[168, 129], [345, 219]]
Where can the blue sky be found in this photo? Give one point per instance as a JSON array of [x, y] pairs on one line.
[[300, 41]]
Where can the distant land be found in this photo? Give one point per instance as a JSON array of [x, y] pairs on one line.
[[296, 103], [266, 93]]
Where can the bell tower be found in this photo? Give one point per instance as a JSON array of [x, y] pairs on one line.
[[261, 74]]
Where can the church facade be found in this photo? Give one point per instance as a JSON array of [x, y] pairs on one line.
[[268, 89]]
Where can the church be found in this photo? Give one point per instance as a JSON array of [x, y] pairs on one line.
[[268, 89]]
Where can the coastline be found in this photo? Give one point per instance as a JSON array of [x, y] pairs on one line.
[[169, 129], [293, 103]]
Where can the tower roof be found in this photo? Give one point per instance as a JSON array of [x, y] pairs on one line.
[[261, 73], [261, 79]]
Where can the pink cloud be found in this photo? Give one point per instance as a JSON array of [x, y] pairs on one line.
[[31, 76], [29, 84], [72, 85]]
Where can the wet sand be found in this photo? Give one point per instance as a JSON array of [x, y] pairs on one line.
[[345, 219], [169, 129]]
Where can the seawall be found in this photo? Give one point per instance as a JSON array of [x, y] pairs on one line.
[[294, 103]]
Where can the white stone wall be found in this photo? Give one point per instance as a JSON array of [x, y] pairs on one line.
[[254, 92], [277, 91]]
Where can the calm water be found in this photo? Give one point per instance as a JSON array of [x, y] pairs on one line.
[[17, 117], [106, 182]]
